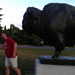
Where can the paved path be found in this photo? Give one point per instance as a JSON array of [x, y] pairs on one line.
[[44, 47]]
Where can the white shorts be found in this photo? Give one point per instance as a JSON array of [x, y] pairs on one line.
[[11, 62]]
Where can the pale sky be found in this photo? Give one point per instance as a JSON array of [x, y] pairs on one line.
[[14, 10]]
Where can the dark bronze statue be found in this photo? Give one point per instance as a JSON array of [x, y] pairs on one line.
[[55, 24]]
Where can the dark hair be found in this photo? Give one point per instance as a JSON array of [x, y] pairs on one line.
[[4, 33]]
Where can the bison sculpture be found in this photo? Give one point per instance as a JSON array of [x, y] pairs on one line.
[[55, 24]]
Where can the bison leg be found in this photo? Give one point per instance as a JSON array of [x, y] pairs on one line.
[[58, 50], [59, 46], [56, 55]]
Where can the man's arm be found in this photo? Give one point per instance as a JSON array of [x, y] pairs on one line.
[[14, 50]]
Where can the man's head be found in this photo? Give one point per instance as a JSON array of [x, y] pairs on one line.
[[4, 36]]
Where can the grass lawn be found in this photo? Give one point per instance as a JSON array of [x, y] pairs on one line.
[[27, 58]]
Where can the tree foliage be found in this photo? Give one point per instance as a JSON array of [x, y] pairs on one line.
[[0, 26], [20, 36]]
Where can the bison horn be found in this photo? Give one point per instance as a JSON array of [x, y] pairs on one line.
[[29, 10]]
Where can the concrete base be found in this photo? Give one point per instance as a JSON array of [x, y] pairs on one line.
[[53, 69], [62, 60]]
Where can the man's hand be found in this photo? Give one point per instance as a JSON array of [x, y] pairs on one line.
[[14, 54]]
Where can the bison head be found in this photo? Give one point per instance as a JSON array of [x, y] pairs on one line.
[[31, 20]]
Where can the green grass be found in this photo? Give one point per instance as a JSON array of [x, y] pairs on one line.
[[26, 59]]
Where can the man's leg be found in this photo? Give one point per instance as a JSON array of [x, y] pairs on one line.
[[7, 70], [17, 70], [14, 65]]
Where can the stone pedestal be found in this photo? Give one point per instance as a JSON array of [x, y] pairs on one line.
[[64, 65]]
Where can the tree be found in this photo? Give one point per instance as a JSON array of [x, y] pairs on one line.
[[5, 28], [0, 26], [13, 29], [0, 16]]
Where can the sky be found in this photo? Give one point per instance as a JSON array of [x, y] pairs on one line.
[[14, 10]]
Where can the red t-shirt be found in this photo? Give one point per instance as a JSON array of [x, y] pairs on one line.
[[9, 47]]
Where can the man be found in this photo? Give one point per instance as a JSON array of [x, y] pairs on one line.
[[11, 54]]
